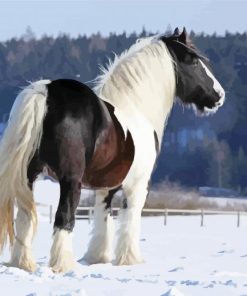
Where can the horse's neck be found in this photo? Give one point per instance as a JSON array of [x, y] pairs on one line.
[[145, 83]]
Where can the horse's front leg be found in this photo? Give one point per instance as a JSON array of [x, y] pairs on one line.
[[62, 258], [127, 249], [135, 189], [100, 245]]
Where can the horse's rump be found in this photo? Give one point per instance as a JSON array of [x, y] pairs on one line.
[[77, 119]]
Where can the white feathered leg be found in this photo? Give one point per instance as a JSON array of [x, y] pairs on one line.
[[62, 258], [135, 188], [128, 250], [21, 253], [100, 245]]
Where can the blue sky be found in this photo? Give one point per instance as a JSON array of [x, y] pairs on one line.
[[86, 17]]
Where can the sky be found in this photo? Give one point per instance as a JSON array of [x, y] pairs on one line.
[[74, 17]]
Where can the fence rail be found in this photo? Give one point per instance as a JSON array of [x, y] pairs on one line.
[[88, 213], [166, 212]]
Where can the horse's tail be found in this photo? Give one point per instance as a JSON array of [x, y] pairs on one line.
[[20, 141]]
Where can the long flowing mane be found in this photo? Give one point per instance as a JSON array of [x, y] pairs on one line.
[[141, 80]]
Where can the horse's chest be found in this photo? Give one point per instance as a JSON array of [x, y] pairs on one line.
[[111, 161]]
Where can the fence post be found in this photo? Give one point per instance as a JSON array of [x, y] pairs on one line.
[[89, 214], [165, 217], [50, 213], [238, 220], [202, 217]]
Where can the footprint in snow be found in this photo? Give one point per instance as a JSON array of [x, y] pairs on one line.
[[171, 283], [209, 286], [151, 279], [173, 292], [98, 276], [123, 280], [230, 283], [226, 252], [176, 269], [190, 283]]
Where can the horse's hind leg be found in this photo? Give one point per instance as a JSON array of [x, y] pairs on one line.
[[62, 258], [100, 245], [21, 253], [70, 177]]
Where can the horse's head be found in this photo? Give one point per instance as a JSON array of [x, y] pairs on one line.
[[195, 83]]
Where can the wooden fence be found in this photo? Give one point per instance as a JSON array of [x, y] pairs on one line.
[[87, 213]]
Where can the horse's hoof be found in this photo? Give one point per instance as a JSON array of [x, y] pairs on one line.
[[128, 261], [28, 266], [63, 267], [96, 259], [58, 269]]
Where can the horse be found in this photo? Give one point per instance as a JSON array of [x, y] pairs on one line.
[[104, 138]]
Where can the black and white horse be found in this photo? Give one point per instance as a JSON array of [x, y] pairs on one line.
[[102, 139]]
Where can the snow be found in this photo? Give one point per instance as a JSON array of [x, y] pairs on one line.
[[181, 259], [46, 192]]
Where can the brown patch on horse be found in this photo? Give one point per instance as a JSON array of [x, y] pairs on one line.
[[112, 158]]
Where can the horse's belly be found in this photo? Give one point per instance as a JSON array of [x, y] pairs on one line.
[[109, 177], [105, 173]]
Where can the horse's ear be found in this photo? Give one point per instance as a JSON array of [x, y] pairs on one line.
[[176, 32], [183, 37]]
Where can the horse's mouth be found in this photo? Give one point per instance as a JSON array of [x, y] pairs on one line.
[[207, 110]]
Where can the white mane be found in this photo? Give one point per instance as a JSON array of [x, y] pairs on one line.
[[140, 81], [109, 69]]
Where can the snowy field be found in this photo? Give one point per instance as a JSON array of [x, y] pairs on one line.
[[181, 258]]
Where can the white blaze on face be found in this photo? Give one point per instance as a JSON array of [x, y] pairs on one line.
[[217, 87]]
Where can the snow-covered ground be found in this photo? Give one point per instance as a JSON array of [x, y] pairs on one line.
[[182, 258]]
